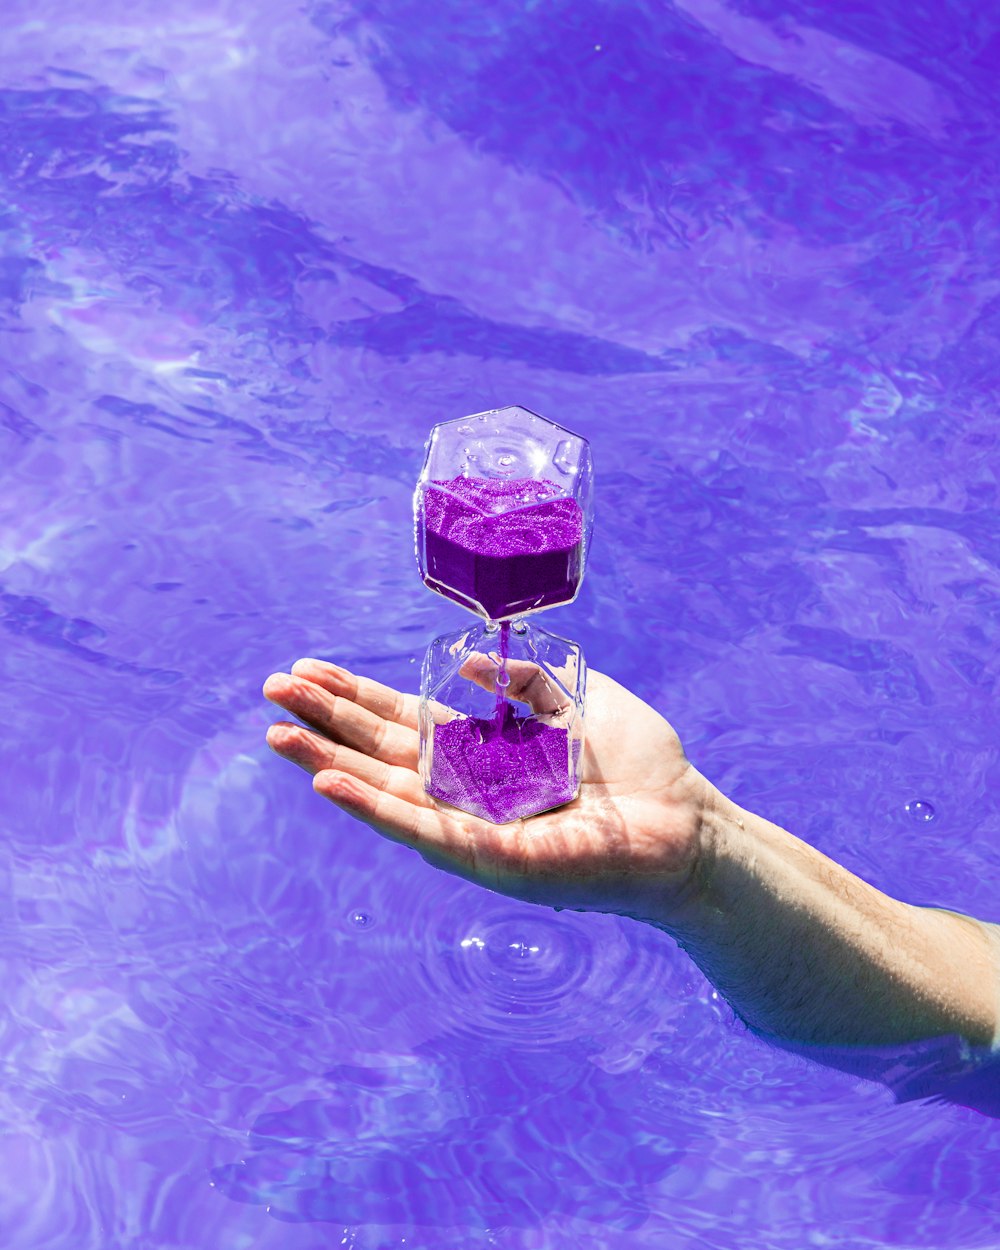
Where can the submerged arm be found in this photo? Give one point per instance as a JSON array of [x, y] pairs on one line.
[[806, 951]]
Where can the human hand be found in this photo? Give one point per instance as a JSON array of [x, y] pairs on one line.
[[629, 843]]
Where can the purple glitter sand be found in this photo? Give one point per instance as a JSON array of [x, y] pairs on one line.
[[501, 769], [508, 546]]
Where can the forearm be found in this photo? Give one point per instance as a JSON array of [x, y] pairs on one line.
[[806, 951]]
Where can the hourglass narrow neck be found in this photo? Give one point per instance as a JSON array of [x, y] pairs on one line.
[[503, 675]]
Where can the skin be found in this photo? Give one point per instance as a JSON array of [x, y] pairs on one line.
[[802, 949]]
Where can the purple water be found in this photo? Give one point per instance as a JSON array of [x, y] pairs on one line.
[[250, 254], [504, 546]]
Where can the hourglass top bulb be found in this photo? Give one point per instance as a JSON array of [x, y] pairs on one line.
[[503, 512]]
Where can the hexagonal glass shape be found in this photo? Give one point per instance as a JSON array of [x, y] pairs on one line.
[[501, 720], [503, 512]]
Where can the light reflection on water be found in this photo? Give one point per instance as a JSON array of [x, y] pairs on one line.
[[247, 261]]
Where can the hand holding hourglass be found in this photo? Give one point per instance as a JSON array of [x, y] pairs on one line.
[[612, 824]]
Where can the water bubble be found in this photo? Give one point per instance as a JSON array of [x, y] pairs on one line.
[[465, 429], [920, 811], [520, 627], [503, 679], [360, 919], [505, 461], [566, 457]]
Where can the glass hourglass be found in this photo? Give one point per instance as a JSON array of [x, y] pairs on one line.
[[503, 513]]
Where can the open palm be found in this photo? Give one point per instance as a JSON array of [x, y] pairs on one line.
[[627, 843]]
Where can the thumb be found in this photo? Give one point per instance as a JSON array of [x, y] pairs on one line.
[[529, 683]]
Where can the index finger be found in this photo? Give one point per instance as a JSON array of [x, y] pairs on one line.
[[373, 696]]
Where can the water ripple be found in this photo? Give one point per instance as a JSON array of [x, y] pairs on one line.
[[527, 977]]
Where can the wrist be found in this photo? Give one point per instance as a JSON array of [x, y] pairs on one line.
[[722, 831], [707, 823]]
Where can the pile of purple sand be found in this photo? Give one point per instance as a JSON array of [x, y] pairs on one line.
[[501, 768], [502, 546]]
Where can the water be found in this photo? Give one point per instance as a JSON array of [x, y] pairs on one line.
[[250, 256]]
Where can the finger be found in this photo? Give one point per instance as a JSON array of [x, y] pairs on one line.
[[528, 683], [314, 753], [384, 701], [436, 834], [344, 721]]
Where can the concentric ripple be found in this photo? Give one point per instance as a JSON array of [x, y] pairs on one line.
[[533, 977]]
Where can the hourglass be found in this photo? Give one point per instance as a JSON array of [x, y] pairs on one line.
[[503, 512]]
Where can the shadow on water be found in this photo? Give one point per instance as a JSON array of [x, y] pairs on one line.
[[667, 77], [393, 1146], [112, 158], [941, 1070]]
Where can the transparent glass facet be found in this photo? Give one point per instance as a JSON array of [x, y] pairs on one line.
[[503, 512], [502, 751]]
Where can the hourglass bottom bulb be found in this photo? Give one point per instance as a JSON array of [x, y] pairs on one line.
[[501, 721], [502, 769]]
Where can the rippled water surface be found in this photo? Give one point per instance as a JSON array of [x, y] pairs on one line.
[[250, 253]]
